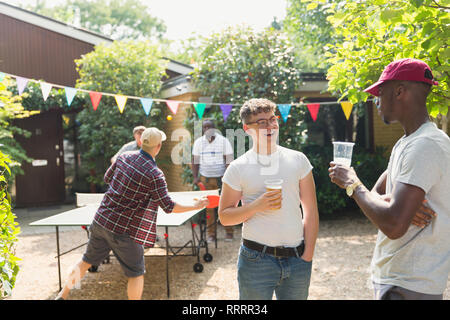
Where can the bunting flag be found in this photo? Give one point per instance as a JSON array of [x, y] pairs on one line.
[[66, 120], [21, 84], [121, 101], [313, 110], [45, 88], [95, 99], [200, 109], [226, 110], [173, 105], [70, 94], [146, 104], [284, 110], [347, 107]]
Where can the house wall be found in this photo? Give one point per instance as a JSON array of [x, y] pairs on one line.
[[173, 171], [33, 52]]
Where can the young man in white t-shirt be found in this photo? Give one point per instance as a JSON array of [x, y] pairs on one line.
[[211, 155], [278, 243], [409, 262]]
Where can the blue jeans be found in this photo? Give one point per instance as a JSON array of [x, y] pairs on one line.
[[260, 274]]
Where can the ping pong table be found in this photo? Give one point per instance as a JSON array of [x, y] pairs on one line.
[[83, 217]]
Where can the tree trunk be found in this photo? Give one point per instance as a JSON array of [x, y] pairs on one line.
[[355, 123], [444, 121]]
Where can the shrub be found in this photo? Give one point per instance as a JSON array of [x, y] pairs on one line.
[[8, 232], [330, 198]]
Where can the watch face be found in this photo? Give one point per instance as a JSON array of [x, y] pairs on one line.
[[349, 190]]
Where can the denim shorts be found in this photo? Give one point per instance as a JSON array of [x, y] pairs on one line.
[[261, 274], [129, 253]]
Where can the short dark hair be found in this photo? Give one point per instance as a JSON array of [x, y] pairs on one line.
[[255, 106]]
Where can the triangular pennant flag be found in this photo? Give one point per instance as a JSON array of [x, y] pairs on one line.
[[173, 105], [95, 99], [121, 101], [66, 120], [21, 84], [70, 94], [284, 110], [45, 88], [147, 105], [2, 76], [313, 110], [226, 109], [200, 109], [347, 107]]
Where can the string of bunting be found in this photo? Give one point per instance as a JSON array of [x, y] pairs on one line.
[[173, 105]]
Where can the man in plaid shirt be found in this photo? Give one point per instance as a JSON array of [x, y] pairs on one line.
[[125, 222]]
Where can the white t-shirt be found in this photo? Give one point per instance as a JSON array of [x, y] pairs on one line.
[[283, 227], [211, 154], [420, 260]]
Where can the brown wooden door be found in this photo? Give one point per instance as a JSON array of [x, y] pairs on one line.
[[43, 181]]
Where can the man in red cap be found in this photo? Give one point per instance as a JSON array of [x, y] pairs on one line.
[[409, 262]]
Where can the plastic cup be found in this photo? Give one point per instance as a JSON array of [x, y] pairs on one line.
[[342, 152], [272, 185]]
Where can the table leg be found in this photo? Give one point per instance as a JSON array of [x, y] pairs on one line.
[[167, 262], [59, 260]]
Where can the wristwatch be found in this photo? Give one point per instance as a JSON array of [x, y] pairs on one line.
[[351, 188]]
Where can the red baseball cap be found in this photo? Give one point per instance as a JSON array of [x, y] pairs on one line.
[[406, 70]]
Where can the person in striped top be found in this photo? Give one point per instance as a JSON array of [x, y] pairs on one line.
[[125, 221], [211, 155]]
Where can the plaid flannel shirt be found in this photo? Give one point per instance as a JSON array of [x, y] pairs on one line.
[[137, 187]]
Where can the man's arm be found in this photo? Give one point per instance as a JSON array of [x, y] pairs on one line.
[[229, 212], [393, 218], [380, 185], [198, 204], [195, 167], [311, 215], [227, 159], [422, 217], [109, 173]]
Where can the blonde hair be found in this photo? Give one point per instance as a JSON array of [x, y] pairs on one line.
[[254, 107]]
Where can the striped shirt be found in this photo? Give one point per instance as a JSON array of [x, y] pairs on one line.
[[137, 187], [212, 163]]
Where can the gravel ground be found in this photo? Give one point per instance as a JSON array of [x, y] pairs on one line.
[[340, 266]]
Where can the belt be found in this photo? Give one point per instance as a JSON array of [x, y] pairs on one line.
[[280, 252]]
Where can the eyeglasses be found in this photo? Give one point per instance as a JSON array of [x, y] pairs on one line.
[[264, 123]]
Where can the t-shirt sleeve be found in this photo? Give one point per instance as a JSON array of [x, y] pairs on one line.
[[305, 166], [160, 194], [421, 165], [196, 148], [232, 177]]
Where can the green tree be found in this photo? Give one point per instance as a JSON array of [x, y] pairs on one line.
[[8, 233], [238, 64], [117, 19], [310, 32], [376, 32], [11, 108], [129, 68]]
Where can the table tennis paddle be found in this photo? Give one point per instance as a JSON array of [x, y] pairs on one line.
[[213, 201], [201, 186]]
